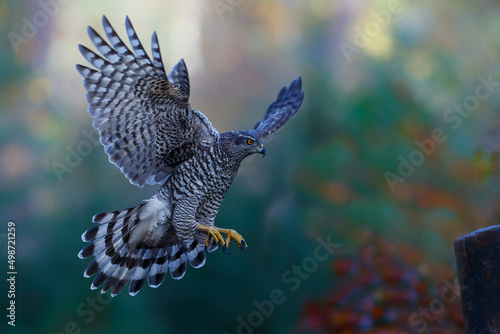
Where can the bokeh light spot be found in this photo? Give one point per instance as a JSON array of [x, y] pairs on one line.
[[39, 90], [16, 161], [419, 65], [381, 47]]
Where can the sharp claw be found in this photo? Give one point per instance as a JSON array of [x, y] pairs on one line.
[[243, 247], [214, 234], [224, 250]]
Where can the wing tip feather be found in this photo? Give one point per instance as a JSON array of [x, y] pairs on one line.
[[287, 103]]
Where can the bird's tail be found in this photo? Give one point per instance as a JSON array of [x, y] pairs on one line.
[[136, 244]]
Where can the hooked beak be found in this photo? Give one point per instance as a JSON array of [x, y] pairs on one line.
[[261, 149]]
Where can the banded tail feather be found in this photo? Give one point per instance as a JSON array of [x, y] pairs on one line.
[[136, 245]]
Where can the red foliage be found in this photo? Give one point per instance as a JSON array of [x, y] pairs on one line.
[[378, 292]]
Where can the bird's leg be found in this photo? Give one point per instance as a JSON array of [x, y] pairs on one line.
[[215, 233]]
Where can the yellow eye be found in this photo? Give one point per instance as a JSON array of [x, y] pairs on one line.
[[250, 142]]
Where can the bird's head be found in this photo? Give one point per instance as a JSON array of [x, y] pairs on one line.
[[241, 144]]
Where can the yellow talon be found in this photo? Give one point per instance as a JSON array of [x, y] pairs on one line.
[[212, 233], [215, 232], [232, 234]]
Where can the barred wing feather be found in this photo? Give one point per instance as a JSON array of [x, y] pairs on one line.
[[280, 111], [145, 122]]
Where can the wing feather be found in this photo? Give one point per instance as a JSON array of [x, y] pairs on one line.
[[280, 111], [179, 77], [145, 122], [155, 49]]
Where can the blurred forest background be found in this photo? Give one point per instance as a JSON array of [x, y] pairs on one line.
[[379, 77]]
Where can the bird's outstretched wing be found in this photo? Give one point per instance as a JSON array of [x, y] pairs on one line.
[[145, 122], [280, 111]]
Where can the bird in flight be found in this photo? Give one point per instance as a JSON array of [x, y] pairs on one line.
[[149, 131]]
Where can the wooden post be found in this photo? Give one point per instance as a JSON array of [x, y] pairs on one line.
[[478, 266]]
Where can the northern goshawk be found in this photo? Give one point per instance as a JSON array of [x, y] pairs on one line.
[[149, 130]]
